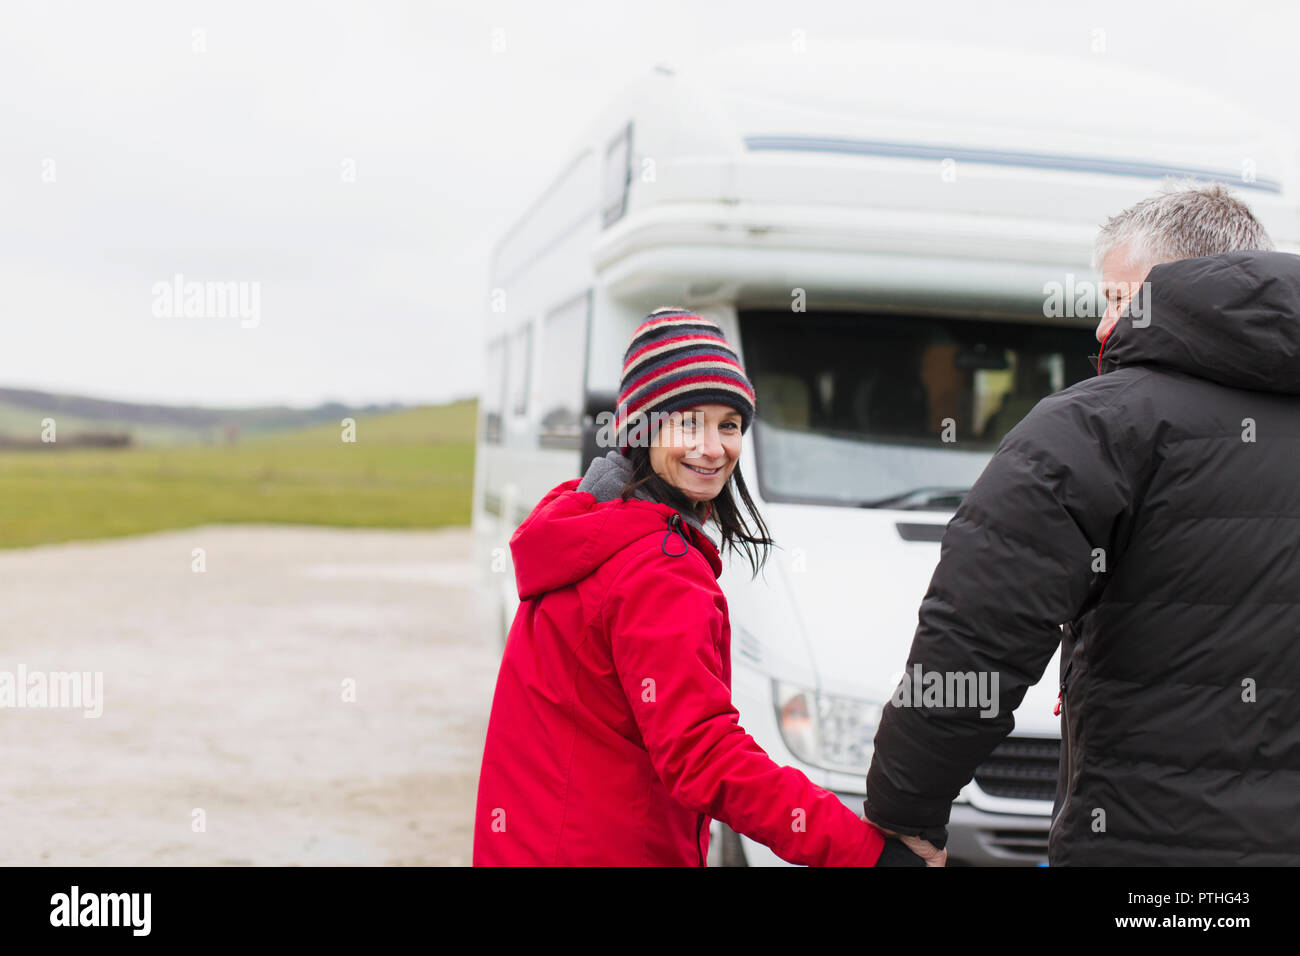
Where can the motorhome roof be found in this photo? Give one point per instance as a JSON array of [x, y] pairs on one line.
[[757, 167], [930, 100]]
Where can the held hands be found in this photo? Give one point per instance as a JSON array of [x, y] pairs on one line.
[[926, 851]]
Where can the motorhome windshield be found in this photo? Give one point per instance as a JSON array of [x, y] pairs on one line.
[[894, 411]]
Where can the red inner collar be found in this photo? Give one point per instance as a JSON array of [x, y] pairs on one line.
[[1102, 350]]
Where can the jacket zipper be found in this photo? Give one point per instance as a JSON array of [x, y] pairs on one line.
[[699, 830], [1060, 697], [1065, 744]]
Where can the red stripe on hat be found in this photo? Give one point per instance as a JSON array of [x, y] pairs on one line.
[[661, 343], [654, 323], [672, 366], [693, 380], [621, 423]]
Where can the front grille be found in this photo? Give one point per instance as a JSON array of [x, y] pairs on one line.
[[1030, 844], [1021, 768]]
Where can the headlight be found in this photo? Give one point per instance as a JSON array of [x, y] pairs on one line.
[[795, 708], [834, 733]]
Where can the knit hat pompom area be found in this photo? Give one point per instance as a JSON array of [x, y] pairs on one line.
[[676, 360]]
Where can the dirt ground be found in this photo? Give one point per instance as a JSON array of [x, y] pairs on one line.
[[224, 692]]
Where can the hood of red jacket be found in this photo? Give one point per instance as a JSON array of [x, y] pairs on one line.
[[570, 534]]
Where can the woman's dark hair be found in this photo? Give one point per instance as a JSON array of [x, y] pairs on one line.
[[736, 532]]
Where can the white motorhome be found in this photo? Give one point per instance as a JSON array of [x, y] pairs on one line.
[[878, 229]]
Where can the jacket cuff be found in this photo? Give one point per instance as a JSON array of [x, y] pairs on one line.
[[896, 854], [873, 846], [905, 813]]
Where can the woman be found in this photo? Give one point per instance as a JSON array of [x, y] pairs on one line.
[[613, 739]]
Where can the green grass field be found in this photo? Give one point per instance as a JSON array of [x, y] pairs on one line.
[[409, 469]]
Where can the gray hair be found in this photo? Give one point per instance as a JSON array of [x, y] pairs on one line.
[[1186, 220]]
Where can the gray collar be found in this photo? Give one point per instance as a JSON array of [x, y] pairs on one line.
[[607, 476]]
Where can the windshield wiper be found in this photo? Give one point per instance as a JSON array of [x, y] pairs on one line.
[[921, 499]]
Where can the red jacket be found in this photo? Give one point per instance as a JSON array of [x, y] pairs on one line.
[[613, 739]]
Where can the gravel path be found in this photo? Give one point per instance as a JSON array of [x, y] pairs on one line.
[[223, 692]]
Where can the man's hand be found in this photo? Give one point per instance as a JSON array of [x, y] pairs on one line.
[[927, 851]]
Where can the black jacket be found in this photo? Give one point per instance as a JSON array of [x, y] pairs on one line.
[[1180, 461]]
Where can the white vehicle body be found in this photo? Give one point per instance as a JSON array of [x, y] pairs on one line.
[[933, 182]]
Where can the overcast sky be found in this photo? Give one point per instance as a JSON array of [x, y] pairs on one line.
[[357, 161]]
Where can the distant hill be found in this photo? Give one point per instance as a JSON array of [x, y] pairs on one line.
[[408, 469], [22, 411]]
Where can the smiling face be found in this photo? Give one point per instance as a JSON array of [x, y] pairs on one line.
[[1120, 280], [697, 449]]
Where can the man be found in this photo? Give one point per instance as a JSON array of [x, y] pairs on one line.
[[1148, 518]]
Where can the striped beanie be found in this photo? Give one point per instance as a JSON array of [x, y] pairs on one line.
[[676, 360]]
